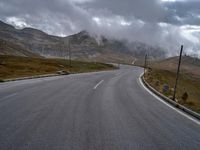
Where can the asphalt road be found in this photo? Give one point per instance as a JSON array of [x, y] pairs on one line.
[[94, 111]]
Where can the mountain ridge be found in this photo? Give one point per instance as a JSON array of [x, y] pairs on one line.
[[83, 46]]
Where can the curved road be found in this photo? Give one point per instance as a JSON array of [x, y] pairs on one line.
[[108, 110]]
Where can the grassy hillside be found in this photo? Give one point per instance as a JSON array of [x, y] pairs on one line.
[[189, 65], [163, 73], [13, 67]]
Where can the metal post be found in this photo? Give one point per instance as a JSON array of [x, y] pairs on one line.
[[69, 51], [145, 64], [177, 74]]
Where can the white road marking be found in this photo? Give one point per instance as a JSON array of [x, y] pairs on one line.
[[117, 74], [6, 97], [161, 100], [98, 84], [133, 62]]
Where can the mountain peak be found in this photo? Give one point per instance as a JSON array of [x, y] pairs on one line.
[[84, 32], [4, 25], [32, 30]]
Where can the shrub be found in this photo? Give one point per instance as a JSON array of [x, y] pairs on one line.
[[184, 96]]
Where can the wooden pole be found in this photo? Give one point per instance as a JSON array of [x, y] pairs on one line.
[[177, 74]]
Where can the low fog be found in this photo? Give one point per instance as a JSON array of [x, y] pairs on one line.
[[163, 23]]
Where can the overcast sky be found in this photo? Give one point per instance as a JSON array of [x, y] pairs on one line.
[[167, 23]]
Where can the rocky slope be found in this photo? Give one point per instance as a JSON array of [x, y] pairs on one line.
[[33, 43]]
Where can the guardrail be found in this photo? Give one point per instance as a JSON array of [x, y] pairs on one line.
[[173, 103]]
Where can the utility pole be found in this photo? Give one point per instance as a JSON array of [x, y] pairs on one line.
[[177, 74], [145, 64], [69, 52]]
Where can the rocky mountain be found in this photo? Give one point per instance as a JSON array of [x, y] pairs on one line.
[[11, 48], [35, 43], [139, 49]]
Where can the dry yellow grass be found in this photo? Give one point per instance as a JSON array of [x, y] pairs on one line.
[[189, 81], [13, 67]]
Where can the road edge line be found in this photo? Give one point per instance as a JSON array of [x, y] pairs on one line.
[[189, 114]]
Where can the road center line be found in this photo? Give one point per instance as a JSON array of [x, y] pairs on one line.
[[98, 84], [6, 97]]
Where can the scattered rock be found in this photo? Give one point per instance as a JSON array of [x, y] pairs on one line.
[[157, 83], [170, 96], [172, 90], [63, 72], [61, 66], [150, 78]]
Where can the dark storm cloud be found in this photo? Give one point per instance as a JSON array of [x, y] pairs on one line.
[[149, 21], [148, 10], [49, 15], [186, 12]]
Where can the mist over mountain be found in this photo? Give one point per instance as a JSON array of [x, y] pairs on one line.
[[32, 42], [159, 23]]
